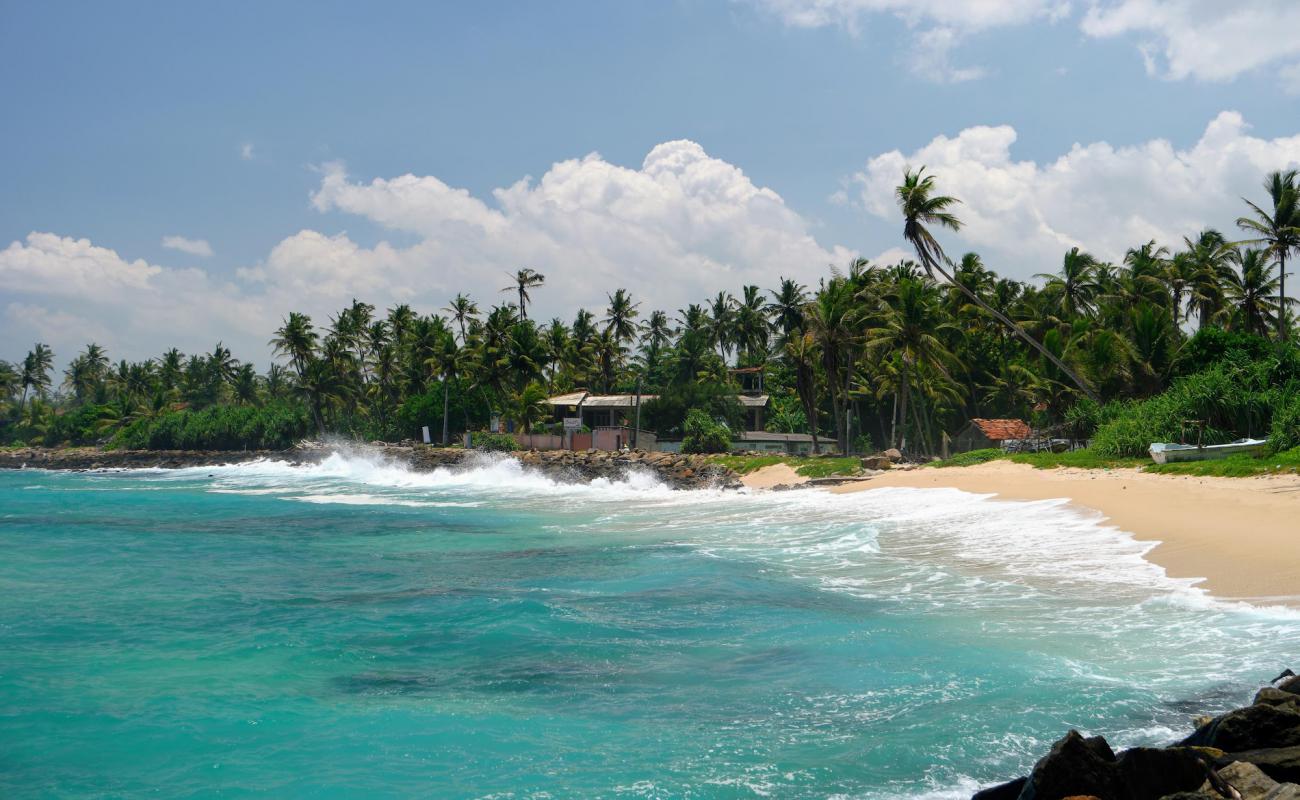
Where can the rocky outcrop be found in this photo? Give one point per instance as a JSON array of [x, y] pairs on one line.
[[1250, 753], [677, 470]]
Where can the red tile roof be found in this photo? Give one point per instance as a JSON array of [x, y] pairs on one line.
[[998, 430]]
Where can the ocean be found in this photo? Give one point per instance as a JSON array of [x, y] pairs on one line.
[[353, 629]]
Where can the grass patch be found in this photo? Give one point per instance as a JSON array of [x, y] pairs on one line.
[[970, 458], [808, 466], [825, 467], [1079, 459], [1238, 466]]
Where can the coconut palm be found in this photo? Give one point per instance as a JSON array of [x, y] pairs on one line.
[[787, 307], [296, 339], [801, 352], [35, 373], [751, 326], [525, 279], [1278, 231], [1075, 286], [1252, 292], [462, 310], [619, 316], [1210, 257], [921, 207], [721, 321]]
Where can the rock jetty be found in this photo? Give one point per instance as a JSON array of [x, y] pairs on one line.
[[1250, 753], [677, 470]]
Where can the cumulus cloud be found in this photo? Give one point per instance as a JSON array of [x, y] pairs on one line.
[[683, 225], [195, 247], [1210, 40], [1204, 39], [680, 227], [1023, 214], [70, 291]]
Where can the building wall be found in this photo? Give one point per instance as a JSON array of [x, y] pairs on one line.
[[972, 438]]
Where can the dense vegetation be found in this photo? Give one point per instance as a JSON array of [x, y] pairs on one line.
[[872, 355]]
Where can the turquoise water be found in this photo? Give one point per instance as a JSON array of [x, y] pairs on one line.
[[355, 630]]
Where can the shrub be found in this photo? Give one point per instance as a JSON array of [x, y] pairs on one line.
[[666, 414], [1231, 401], [274, 426], [1285, 433], [496, 442], [701, 434]]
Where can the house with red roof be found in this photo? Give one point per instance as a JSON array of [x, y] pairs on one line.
[[981, 433]]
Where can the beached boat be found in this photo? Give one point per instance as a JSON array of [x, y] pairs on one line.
[[1167, 453]]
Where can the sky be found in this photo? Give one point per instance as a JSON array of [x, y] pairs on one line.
[[177, 174]]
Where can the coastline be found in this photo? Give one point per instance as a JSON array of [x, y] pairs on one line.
[[1236, 536]]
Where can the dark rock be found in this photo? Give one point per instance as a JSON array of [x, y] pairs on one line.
[[1079, 766], [1003, 791], [1282, 764], [1291, 684], [893, 454], [1149, 773], [1192, 796], [1074, 765], [1250, 728], [877, 462], [1247, 779]]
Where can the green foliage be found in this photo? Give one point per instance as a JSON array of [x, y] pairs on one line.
[[825, 467], [1238, 466], [745, 464], [666, 414], [1233, 401], [78, 426], [271, 427], [1285, 434], [702, 434], [494, 442], [1076, 459]]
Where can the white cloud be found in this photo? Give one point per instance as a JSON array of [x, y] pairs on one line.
[[70, 291], [679, 228], [246, 151], [683, 225], [1210, 40], [195, 247], [1022, 215], [938, 26]]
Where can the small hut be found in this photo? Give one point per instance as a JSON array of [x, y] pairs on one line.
[[981, 433]]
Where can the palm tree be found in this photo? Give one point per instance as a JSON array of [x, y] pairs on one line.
[[751, 327], [447, 361], [721, 323], [525, 279], [656, 334], [297, 339], [801, 352], [462, 309], [1252, 292], [921, 207], [36, 373], [832, 321], [618, 319], [1075, 286], [1210, 257], [1278, 231], [787, 307], [910, 330]]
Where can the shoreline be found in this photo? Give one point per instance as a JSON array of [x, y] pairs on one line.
[[1236, 537]]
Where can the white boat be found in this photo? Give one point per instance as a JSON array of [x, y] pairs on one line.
[[1166, 453]]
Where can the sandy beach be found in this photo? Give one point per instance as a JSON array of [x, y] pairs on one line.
[[1241, 536]]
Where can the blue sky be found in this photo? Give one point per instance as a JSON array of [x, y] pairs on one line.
[[258, 129]]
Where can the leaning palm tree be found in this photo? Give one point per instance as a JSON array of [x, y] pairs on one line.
[[36, 373], [1278, 231], [921, 207], [525, 279]]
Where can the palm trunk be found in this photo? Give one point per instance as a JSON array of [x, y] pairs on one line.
[[446, 439], [1281, 290], [902, 426], [1031, 341]]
